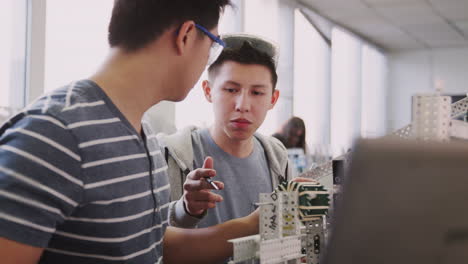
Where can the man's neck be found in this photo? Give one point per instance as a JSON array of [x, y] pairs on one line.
[[125, 79], [237, 148]]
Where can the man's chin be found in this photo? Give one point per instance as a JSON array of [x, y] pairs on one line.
[[241, 135]]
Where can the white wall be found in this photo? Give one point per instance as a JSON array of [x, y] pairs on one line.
[[416, 72]]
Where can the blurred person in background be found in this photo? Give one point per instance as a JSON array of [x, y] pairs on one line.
[[292, 134]]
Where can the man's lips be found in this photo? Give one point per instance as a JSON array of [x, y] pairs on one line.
[[241, 121]]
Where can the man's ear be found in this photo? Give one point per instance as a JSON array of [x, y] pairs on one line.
[[185, 36], [207, 90], [274, 98]]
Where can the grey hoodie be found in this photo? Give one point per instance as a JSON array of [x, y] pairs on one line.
[[178, 151]]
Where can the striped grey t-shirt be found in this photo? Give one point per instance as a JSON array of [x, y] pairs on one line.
[[79, 181]]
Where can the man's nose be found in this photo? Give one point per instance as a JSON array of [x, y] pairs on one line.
[[243, 102]]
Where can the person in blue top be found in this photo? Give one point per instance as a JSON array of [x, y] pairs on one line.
[[81, 180]]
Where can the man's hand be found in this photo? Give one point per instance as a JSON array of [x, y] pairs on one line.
[[197, 194]]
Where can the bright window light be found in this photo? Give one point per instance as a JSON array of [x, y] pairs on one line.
[[312, 82], [76, 39], [13, 20], [374, 79], [346, 91]]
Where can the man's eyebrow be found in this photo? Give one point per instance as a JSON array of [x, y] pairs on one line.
[[256, 86], [233, 83]]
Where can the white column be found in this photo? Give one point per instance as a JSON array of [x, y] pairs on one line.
[[35, 60], [374, 90], [312, 73], [346, 91]]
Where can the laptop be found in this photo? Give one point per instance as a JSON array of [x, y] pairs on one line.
[[403, 202]]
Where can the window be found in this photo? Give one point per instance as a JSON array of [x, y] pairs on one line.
[[359, 76], [13, 29], [312, 82], [76, 39], [346, 91], [374, 74]]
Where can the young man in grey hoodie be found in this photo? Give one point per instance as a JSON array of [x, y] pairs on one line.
[[241, 87]]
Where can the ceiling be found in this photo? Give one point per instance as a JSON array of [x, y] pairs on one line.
[[397, 25]]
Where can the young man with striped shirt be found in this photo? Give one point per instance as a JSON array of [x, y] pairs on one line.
[[81, 181]]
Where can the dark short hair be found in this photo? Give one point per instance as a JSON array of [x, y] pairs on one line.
[[246, 54], [135, 23]]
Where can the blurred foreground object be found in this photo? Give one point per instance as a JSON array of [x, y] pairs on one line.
[[403, 201]]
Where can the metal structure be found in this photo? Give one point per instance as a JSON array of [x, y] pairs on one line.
[[291, 226], [434, 118], [319, 172]]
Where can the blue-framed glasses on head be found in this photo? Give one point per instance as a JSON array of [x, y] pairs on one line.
[[217, 46]]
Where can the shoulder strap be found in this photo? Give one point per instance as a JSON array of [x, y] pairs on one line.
[[286, 176], [166, 154], [275, 153]]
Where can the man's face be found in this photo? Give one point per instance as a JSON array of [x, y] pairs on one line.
[[241, 95]]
